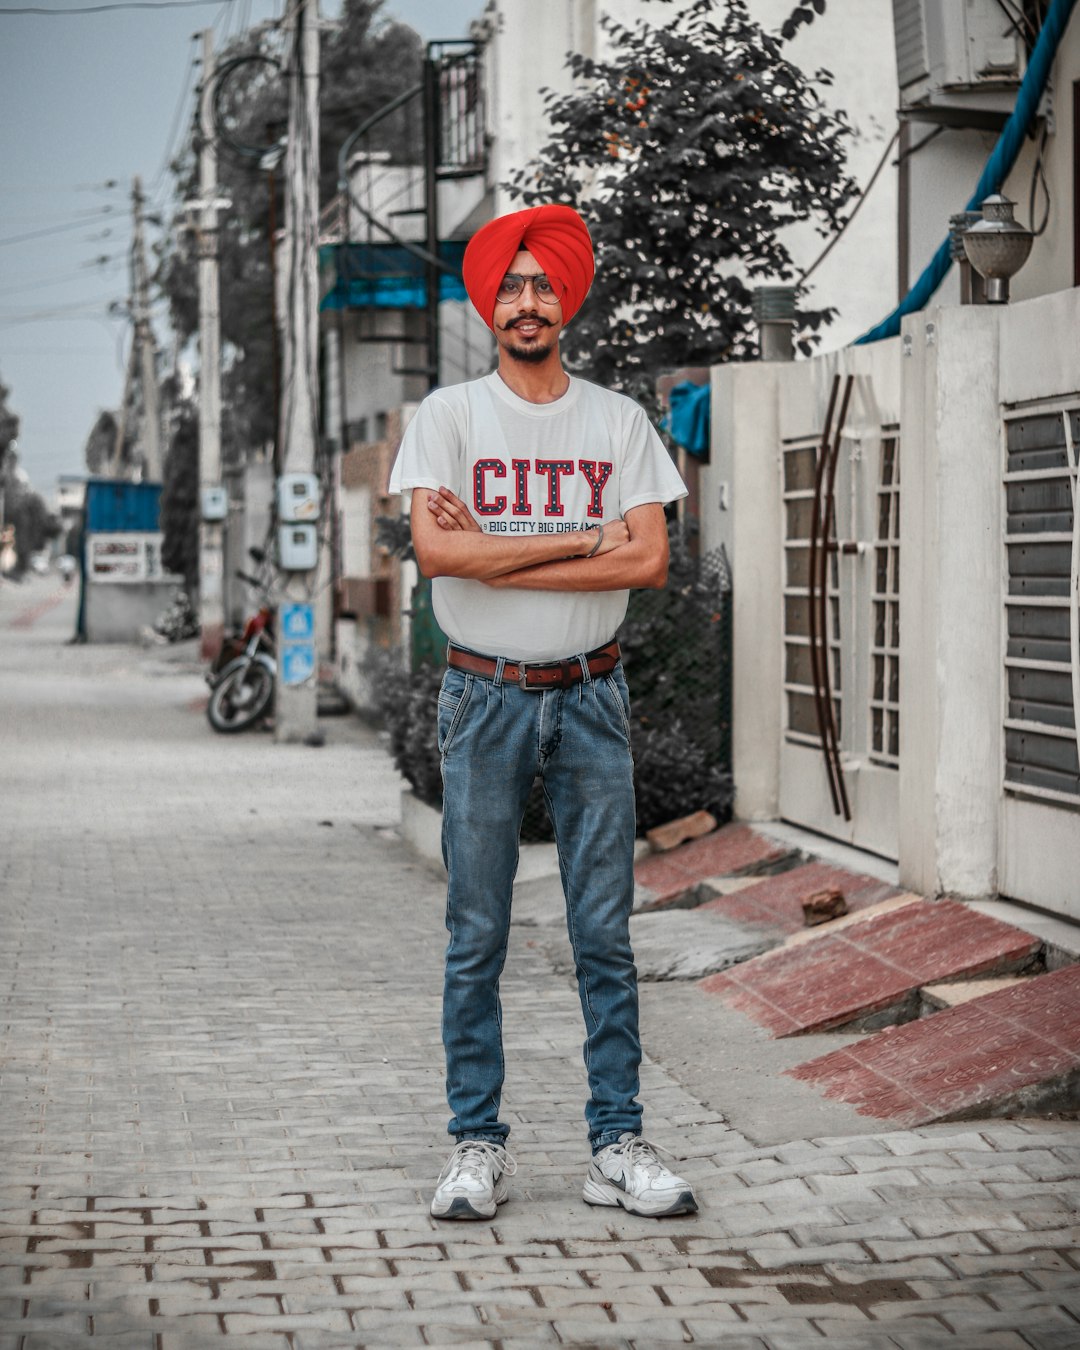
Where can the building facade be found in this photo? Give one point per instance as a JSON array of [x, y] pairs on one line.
[[902, 522]]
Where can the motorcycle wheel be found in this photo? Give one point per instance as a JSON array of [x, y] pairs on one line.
[[241, 696]]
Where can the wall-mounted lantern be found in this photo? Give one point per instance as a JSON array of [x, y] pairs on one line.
[[997, 247]]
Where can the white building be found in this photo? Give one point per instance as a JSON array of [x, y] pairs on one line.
[[902, 519]]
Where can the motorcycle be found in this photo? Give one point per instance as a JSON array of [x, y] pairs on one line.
[[243, 676]]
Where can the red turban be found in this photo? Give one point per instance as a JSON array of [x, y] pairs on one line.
[[556, 236]]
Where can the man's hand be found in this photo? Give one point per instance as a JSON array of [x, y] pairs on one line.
[[451, 513], [642, 562]]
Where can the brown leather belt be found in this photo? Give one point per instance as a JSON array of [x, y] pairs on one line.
[[537, 674]]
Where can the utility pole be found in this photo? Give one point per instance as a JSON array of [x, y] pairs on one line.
[[213, 507], [117, 466], [144, 340], [296, 706]]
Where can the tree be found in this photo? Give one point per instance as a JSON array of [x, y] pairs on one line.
[[9, 425], [689, 152], [179, 515], [365, 63], [101, 443], [20, 505]]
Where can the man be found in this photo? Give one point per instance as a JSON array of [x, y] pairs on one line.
[[538, 501]]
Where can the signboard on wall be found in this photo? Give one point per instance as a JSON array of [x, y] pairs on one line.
[[125, 557]]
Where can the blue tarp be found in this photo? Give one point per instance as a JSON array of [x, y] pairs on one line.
[[385, 276], [113, 505], [688, 420]]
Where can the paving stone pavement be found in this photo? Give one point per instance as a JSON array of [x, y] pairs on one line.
[[221, 1107]]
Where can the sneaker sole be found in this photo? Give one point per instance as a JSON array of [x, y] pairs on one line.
[[603, 1193], [461, 1208]]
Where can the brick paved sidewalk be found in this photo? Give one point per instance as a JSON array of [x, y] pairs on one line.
[[221, 1108]]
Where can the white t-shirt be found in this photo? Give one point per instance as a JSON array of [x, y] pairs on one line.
[[529, 469]]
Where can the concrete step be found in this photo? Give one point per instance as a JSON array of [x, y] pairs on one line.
[[665, 879], [866, 975], [775, 902], [1016, 1049]]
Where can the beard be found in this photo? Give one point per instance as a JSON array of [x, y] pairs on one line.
[[536, 352], [530, 356]]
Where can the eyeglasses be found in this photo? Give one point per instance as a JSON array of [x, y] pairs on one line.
[[548, 290]]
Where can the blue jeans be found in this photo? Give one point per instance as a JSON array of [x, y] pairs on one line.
[[495, 738]]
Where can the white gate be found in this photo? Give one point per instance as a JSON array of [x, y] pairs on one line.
[[841, 495]]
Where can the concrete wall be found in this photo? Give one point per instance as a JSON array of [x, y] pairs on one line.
[[942, 176], [119, 613]]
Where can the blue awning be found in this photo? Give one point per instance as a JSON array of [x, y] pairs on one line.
[[385, 276]]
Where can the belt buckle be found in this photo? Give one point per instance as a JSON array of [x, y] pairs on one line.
[[564, 681]]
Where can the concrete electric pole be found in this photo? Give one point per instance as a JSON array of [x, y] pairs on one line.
[[144, 340], [298, 508], [116, 468], [213, 502]]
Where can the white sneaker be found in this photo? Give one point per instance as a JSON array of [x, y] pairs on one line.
[[629, 1173], [473, 1182]]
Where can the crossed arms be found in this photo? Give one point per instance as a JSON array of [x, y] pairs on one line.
[[449, 543]]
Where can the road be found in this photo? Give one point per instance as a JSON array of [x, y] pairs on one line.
[[221, 1105]]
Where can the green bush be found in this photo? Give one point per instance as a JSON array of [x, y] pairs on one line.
[[676, 650]]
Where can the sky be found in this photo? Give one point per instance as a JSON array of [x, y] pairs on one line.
[[88, 101]]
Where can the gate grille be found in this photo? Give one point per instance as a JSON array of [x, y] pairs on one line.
[[800, 469], [1042, 661], [885, 648]]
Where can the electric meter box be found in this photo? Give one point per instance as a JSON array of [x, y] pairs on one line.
[[215, 504], [298, 548], [298, 498]]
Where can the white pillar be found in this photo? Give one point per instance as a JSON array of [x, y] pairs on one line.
[[950, 584], [746, 415]]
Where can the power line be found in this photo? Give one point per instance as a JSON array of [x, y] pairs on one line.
[[57, 229], [123, 4], [88, 309], [170, 144], [84, 213], [858, 206], [64, 279]]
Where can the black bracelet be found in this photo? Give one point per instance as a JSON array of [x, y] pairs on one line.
[[599, 540]]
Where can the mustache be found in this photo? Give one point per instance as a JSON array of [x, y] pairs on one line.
[[528, 318]]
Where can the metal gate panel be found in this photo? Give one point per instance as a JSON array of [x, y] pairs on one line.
[[1042, 657], [841, 632]]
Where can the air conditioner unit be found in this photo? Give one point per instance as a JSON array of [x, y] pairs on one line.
[[958, 62]]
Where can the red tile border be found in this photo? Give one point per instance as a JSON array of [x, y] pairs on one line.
[[963, 1059], [871, 966]]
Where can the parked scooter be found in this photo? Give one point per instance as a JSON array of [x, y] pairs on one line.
[[243, 676]]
